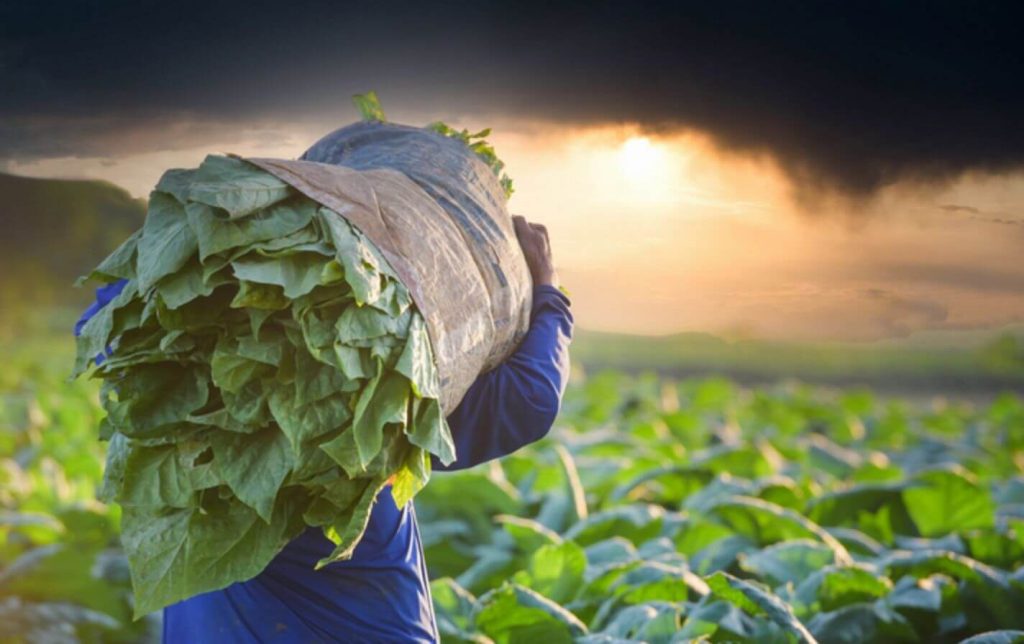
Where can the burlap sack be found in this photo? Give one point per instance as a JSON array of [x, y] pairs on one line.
[[438, 215]]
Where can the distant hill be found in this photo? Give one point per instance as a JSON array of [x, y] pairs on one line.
[[55, 230], [981, 361]]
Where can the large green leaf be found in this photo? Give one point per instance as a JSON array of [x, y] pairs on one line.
[[528, 535], [788, 561], [216, 234], [656, 581], [710, 617], [384, 400], [187, 284], [653, 622], [297, 273], [156, 396], [989, 596], [167, 241], [768, 523], [513, 613], [555, 571], [156, 476], [833, 587], [429, 430], [120, 264], [236, 186], [757, 600], [673, 483], [607, 554], [180, 553], [360, 264], [638, 523], [231, 371], [948, 500], [844, 507], [920, 594], [310, 422], [454, 607], [417, 361], [254, 466], [867, 622]]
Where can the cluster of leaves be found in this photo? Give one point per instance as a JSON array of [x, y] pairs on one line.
[[477, 142], [370, 109], [660, 512], [266, 371]]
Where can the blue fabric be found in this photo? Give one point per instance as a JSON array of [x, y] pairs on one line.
[[104, 295], [382, 594], [516, 403]]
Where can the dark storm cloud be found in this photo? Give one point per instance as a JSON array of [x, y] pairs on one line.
[[124, 134], [853, 96]]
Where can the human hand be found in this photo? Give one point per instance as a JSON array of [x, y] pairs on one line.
[[533, 239]]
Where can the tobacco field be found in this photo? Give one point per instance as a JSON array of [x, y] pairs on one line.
[[656, 511]]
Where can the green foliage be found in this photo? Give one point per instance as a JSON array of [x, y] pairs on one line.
[[942, 501], [783, 514], [63, 575], [756, 599], [369, 107], [477, 142], [612, 529], [269, 372]]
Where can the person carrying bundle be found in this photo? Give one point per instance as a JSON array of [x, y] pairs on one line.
[[381, 592]]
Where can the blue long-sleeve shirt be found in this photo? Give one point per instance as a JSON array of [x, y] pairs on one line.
[[382, 593]]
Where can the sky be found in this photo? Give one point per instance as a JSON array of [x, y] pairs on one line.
[[778, 170]]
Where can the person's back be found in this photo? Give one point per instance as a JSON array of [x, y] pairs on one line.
[[382, 593]]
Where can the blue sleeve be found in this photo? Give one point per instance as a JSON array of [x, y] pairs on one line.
[[516, 403], [104, 295]]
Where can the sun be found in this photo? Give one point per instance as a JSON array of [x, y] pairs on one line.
[[648, 169], [640, 157]]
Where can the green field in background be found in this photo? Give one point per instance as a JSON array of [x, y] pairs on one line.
[[659, 509]]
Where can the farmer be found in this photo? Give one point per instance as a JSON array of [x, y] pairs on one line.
[[382, 593]]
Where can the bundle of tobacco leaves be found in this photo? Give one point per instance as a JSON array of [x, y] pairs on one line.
[[263, 370]]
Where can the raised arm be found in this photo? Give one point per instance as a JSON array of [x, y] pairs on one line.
[[516, 403]]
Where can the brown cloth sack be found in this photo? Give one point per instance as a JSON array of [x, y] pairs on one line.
[[445, 231]]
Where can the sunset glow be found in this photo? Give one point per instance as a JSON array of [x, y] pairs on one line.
[[658, 234], [639, 157]]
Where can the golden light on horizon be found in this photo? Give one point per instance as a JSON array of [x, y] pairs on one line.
[[649, 170], [661, 232], [640, 156]]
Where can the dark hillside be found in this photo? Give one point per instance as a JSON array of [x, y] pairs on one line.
[[53, 230]]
